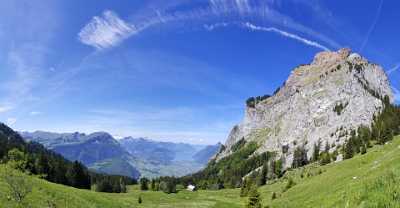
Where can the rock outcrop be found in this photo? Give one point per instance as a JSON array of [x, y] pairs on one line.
[[336, 93]]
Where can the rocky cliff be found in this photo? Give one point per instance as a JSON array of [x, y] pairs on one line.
[[319, 102]]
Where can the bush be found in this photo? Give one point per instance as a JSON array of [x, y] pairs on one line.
[[17, 183], [339, 108], [17, 159], [168, 185], [325, 158], [363, 149], [273, 196], [289, 184]]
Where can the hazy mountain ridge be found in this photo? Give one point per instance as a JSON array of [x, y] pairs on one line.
[[160, 151], [129, 156], [98, 151], [204, 155]]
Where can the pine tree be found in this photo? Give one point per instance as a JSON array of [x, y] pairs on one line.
[[144, 184], [116, 186], [348, 150], [153, 184], [299, 157], [42, 165], [254, 200], [277, 168], [77, 176], [122, 185], [315, 156], [327, 146], [262, 177], [246, 186]]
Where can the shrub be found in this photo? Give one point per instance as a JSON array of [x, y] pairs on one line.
[[17, 183], [363, 149], [325, 158], [339, 108], [273, 196], [168, 185], [289, 184]]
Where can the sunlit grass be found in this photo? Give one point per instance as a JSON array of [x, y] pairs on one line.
[[370, 180]]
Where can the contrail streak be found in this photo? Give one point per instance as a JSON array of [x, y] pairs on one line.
[[371, 29], [393, 69], [283, 33]]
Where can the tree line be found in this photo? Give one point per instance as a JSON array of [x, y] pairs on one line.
[[229, 171]]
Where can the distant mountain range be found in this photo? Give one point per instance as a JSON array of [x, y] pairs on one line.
[[129, 156]]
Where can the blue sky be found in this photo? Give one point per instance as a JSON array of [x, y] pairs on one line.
[[177, 70]]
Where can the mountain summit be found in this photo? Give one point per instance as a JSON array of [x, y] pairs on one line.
[[321, 102]]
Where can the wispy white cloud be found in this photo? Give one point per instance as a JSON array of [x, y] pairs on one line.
[[105, 31], [109, 30], [216, 26], [35, 113], [26, 52], [5, 108]]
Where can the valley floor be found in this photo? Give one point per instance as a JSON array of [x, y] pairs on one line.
[[370, 180]]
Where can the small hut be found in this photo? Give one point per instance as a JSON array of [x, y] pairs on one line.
[[191, 187]]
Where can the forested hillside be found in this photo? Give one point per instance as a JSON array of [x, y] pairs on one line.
[[32, 158]]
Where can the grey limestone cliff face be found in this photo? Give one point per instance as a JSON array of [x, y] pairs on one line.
[[337, 92]]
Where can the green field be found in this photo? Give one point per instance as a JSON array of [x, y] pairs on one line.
[[370, 180]]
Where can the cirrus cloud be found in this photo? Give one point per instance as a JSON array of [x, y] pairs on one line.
[[105, 31], [108, 30]]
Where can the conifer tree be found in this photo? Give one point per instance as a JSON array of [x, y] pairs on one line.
[[77, 176], [254, 200], [262, 177], [299, 157], [153, 184], [348, 150], [144, 184], [315, 156], [123, 185]]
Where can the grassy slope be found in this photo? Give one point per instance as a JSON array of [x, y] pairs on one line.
[[339, 185]]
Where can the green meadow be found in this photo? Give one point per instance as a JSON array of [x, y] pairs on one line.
[[369, 180]]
